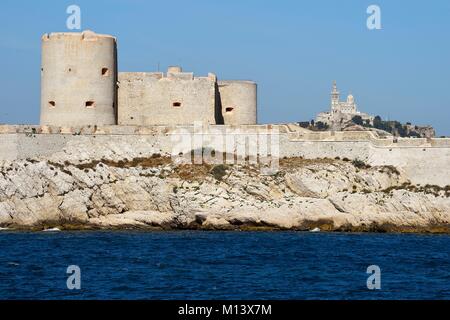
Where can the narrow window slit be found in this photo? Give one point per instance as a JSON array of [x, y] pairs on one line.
[[90, 104]]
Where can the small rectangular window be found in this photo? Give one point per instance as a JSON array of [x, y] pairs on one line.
[[229, 109], [52, 104], [177, 104], [90, 104], [105, 72]]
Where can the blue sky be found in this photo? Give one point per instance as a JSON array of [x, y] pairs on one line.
[[293, 49]]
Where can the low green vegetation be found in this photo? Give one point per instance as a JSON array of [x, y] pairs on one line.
[[360, 164], [314, 126], [427, 189], [395, 128], [219, 171]]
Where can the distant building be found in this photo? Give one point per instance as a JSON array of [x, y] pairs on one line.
[[342, 111], [420, 131]]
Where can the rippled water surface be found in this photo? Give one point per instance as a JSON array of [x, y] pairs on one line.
[[223, 265]]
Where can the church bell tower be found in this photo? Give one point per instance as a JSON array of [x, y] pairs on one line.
[[334, 98]]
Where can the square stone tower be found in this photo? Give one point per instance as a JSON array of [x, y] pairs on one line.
[[175, 98]]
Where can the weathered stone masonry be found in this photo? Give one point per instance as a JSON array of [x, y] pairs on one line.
[[81, 86], [424, 161]]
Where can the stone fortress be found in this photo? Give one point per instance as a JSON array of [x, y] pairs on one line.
[[341, 111], [87, 105], [81, 86]]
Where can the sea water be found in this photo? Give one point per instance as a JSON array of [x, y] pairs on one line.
[[222, 265]]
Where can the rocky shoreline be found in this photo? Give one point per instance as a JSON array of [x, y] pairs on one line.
[[152, 193]]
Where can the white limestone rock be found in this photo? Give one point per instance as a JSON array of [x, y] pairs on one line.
[[76, 188]]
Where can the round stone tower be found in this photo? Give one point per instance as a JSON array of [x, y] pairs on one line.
[[78, 79], [239, 102]]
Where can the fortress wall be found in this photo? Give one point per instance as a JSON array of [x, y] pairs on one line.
[[440, 142], [324, 149], [239, 102], [78, 79], [8, 147], [425, 164], [422, 165], [152, 99]]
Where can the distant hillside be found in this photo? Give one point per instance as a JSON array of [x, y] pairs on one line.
[[395, 128]]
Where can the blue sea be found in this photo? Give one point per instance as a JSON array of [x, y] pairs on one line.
[[223, 265]]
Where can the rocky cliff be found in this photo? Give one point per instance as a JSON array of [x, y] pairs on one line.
[[75, 190]]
